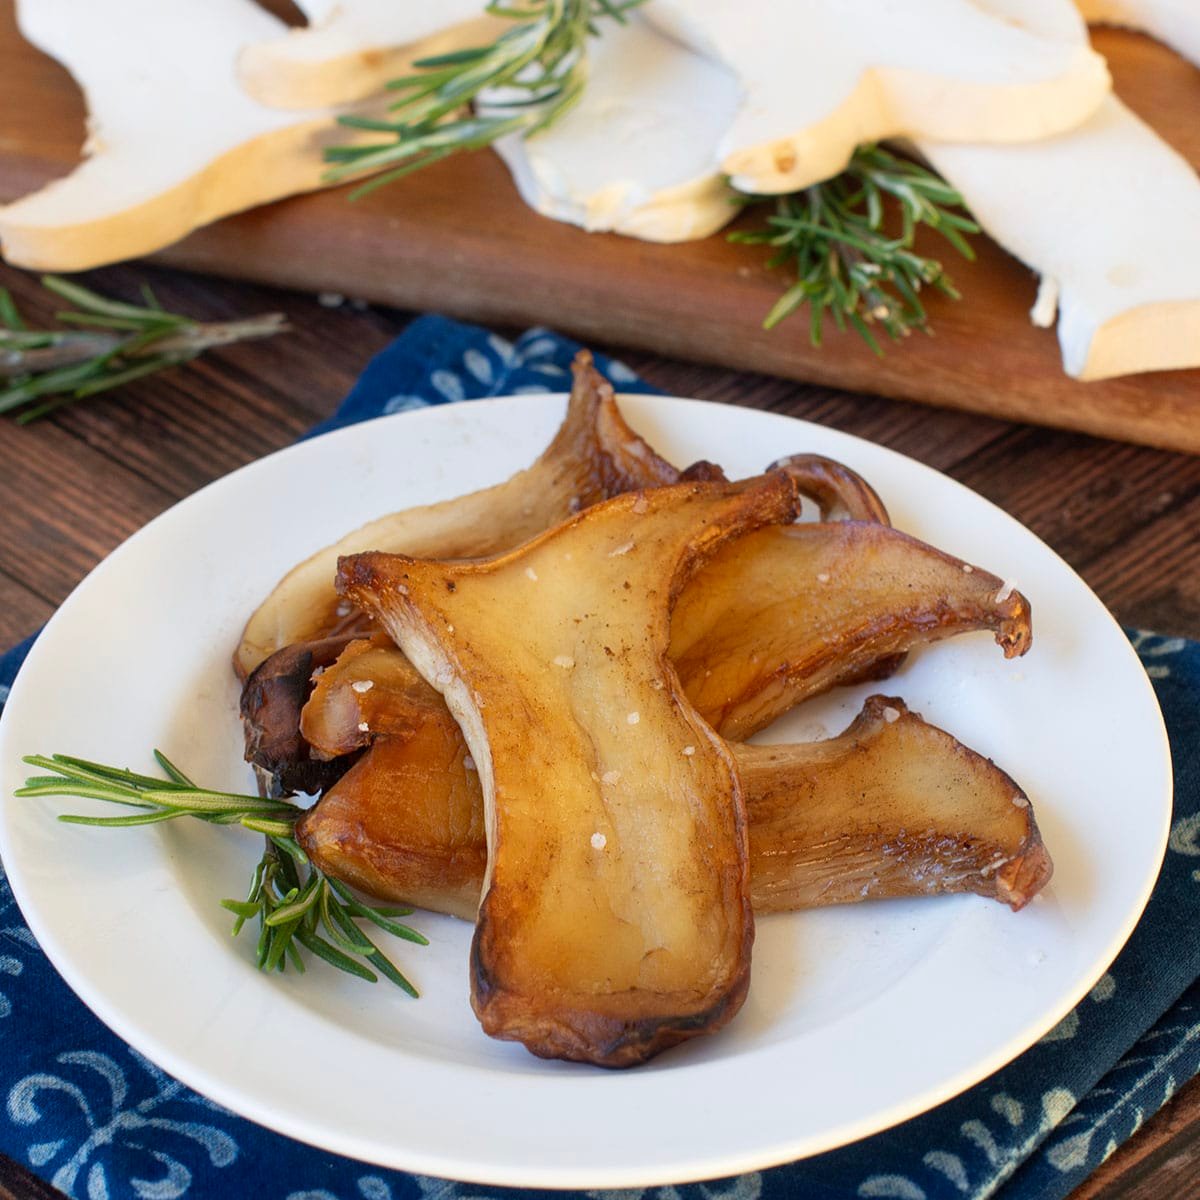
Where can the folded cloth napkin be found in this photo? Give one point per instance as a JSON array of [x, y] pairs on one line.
[[91, 1115]]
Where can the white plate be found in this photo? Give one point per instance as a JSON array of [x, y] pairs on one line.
[[857, 1018]]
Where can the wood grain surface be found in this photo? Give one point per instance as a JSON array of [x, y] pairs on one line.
[[76, 484], [457, 239]]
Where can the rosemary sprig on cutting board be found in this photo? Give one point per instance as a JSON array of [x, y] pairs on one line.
[[296, 906], [108, 344], [533, 73], [832, 240]]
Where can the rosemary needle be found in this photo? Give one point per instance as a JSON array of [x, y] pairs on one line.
[[294, 903], [106, 345]]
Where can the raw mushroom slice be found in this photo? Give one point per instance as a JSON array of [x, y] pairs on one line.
[[891, 807], [828, 75], [615, 920], [593, 456], [1175, 22], [173, 141], [637, 154], [351, 49], [784, 614], [1116, 249]]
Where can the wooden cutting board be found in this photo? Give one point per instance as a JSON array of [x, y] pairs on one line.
[[457, 239]]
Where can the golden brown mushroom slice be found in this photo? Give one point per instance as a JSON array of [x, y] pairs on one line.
[[615, 920], [891, 807], [593, 456], [786, 613], [275, 692], [408, 809], [372, 691], [404, 824], [834, 487]]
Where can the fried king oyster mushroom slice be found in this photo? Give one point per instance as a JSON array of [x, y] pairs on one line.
[[371, 692], [407, 815], [405, 823], [593, 456], [615, 919], [892, 807], [271, 706], [835, 488], [785, 613]]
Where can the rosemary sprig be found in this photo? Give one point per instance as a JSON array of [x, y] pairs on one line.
[[295, 904], [832, 238], [531, 74], [41, 370]]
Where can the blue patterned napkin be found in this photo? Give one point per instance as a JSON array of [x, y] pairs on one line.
[[86, 1112]]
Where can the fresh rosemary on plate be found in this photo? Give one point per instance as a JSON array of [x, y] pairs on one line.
[[533, 73], [43, 369], [832, 239], [296, 905]]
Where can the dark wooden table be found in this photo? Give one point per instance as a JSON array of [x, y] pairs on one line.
[[75, 485]]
